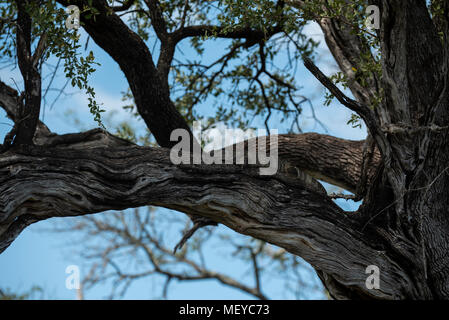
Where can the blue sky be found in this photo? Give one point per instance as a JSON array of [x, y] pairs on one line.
[[39, 257]]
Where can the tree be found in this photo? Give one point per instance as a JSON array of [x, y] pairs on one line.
[[399, 81]]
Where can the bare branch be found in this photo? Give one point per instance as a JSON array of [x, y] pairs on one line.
[[364, 111], [253, 36], [157, 19]]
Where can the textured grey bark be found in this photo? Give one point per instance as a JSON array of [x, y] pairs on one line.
[[402, 226], [282, 209]]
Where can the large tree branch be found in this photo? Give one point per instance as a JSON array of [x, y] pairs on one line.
[[302, 155], [168, 46], [41, 182], [342, 165], [151, 95], [29, 115], [157, 19]]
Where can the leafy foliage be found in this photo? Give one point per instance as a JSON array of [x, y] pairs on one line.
[[49, 20]]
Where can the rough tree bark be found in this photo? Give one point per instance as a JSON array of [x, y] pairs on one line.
[[402, 226]]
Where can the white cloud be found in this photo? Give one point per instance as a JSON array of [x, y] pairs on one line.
[[221, 136]]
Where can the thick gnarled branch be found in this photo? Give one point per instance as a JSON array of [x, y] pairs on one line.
[[41, 182]]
